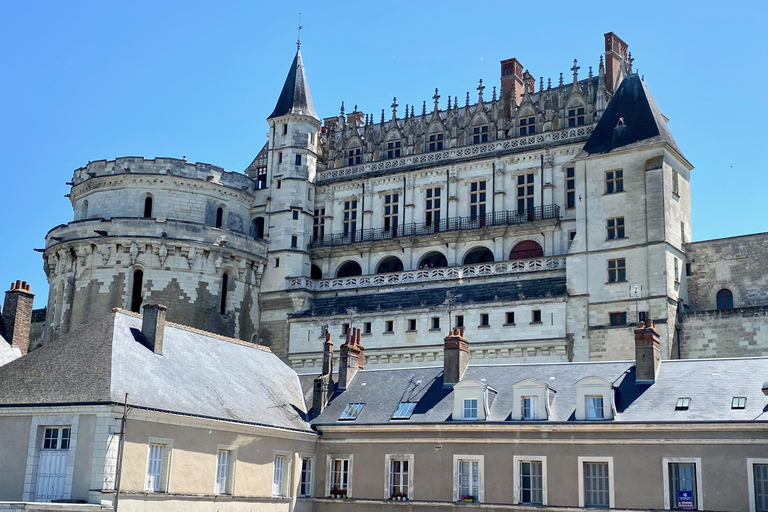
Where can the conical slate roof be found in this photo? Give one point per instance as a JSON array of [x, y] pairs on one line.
[[632, 119], [295, 97]]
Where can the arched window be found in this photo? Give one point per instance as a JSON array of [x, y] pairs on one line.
[[258, 227], [219, 216], [527, 249], [224, 290], [349, 269], [478, 255], [724, 299], [316, 273], [390, 264], [433, 260], [84, 210], [138, 285], [148, 207]]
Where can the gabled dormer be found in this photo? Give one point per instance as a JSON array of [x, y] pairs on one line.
[[532, 400], [595, 399], [472, 400]]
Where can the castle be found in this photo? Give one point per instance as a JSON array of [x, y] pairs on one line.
[[553, 218]]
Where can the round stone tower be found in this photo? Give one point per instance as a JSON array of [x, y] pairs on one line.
[[162, 231]]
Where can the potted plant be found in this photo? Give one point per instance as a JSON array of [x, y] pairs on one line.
[[467, 498], [395, 496], [338, 494]]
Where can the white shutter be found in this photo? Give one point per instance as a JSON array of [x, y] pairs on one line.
[[155, 469], [277, 482], [222, 472]]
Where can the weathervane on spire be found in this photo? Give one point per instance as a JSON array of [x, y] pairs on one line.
[[298, 39]]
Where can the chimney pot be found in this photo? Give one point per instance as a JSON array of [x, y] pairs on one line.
[[455, 357], [647, 352], [17, 315], [153, 326]]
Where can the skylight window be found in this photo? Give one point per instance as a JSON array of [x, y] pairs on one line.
[[682, 404], [739, 402], [404, 411], [351, 412]]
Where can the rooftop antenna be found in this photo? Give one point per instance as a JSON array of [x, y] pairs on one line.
[[635, 292], [298, 37]]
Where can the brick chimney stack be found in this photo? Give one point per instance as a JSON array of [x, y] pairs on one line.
[[153, 326], [17, 315], [323, 383], [511, 84], [455, 357], [647, 353], [616, 53], [351, 358]]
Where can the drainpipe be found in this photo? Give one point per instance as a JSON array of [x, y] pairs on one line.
[[120, 451]]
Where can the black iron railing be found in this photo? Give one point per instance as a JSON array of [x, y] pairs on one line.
[[551, 211]]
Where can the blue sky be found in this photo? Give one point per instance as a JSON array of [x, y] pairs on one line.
[[92, 80]]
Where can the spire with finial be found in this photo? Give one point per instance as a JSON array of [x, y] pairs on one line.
[[449, 103], [493, 97], [575, 70], [456, 103], [541, 83], [382, 116], [394, 108], [549, 83], [480, 89], [341, 110], [561, 80], [590, 73], [424, 108], [436, 97], [412, 111], [466, 105], [298, 38]]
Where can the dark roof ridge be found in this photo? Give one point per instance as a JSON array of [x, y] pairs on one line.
[[726, 238]]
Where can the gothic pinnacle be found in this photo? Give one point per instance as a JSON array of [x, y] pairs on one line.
[[394, 108], [480, 89], [575, 70], [436, 97]]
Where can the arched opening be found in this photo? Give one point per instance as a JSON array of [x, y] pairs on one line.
[[724, 299], [148, 207], [84, 210], [433, 260], [219, 217], [315, 272], [349, 269], [224, 290], [527, 249], [258, 227], [478, 255], [389, 264], [138, 285]]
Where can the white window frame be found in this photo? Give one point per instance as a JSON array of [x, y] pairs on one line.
[[587, 408], [696, 461], [388, 458], [285, 477], [165, 473], [534, 405], [464, 409], [611, 483], [480, 459], [329, 466], [750, 480], [517, 459], [311, 483], [231, 464]]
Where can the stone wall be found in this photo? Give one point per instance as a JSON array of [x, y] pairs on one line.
[[740, 332]]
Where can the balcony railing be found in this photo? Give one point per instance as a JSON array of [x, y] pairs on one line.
[[428, 274], [551, 211]]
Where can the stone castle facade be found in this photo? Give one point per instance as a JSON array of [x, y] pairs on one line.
[[551, 218]]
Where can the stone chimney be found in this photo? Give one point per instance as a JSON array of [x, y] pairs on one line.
[[616, 55], [511, 84], [455, 358], [351, 358], [647, 354], [153, 326], [323, 383], [17, 315]]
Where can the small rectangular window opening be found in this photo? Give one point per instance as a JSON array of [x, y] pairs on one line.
[[412, 324], [351, 411], [389, 326], [484, 320], [510, 318], [295, 214], [436, 322], [404, 411], [367, 328], [294, 242], [459, 320], [682, 404], [739, 402], [536, 316]]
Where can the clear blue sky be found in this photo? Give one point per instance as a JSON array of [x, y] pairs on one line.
[[92, 80]]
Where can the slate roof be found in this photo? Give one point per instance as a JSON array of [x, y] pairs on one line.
[[644, 124], [295, 97], [710, 383], [198, 374], [375, 300]]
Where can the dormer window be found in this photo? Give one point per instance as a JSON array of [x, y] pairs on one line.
[[469, 410], [393, 149], [532, 399], [480, 134], [435, 142], [576, 117], [595, 408], [404, 411], [354, 156], [529, 407], [527, 126], [682, 404], [739, 402], [351, 412]]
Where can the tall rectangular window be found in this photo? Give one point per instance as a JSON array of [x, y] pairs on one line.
[[393, 149], [339, 477], [318, 228], [615, 228], [682, 486], [480, 134], [527, 126], [294, 241], [469, 409], [675, 183], [391, 212], [305, 482], [155, 475], [525, 190], [398, 477], [529, 404], [432, 207], [614, 182], [298, 159], [531, 488], [277, 477], [468, 473], [596, 485], [759, 490], [576, 117], [223, 478], [435, 142], [617, 270], [477, 198], [570, 187], [349, 219]]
